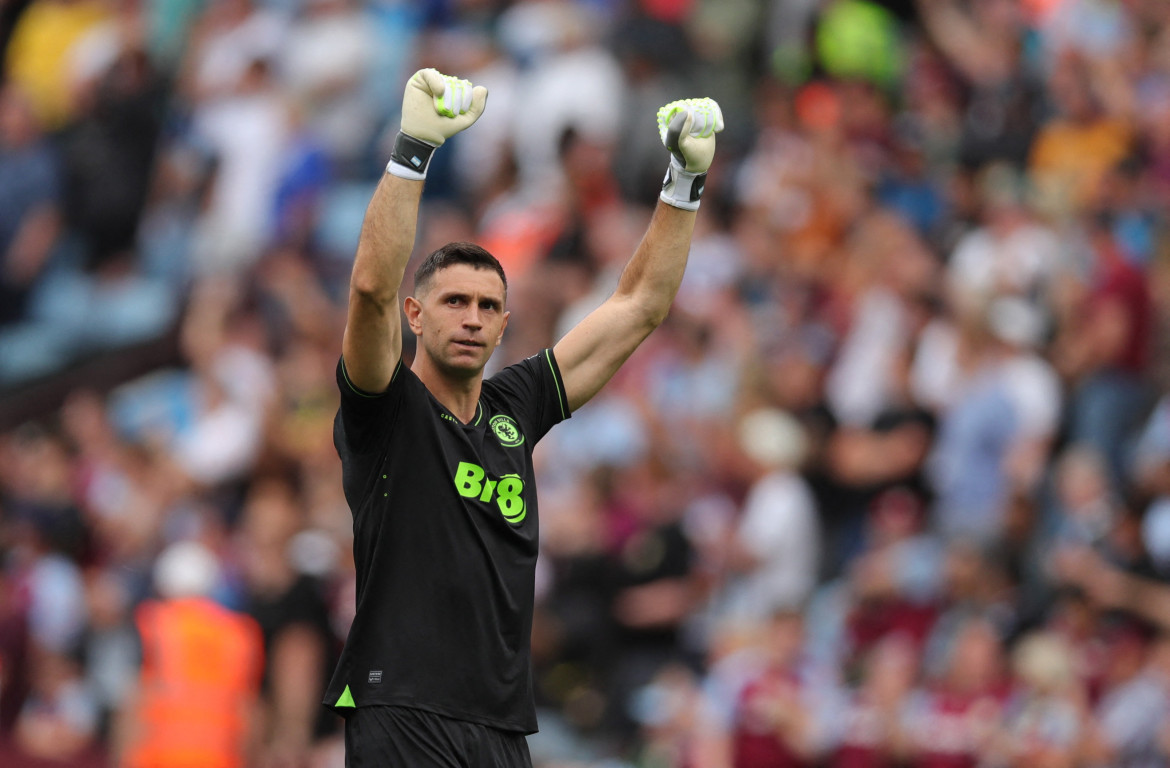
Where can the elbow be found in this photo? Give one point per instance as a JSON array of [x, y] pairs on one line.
[[371, 292], [645, 315], [653, 316], [643, 323], [630, 318]]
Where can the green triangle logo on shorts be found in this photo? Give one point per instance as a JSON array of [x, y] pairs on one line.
[[346, 699]]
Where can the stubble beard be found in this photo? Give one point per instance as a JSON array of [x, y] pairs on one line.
[[457, 367]]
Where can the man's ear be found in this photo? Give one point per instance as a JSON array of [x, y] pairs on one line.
[[413, 309], [500, 338]]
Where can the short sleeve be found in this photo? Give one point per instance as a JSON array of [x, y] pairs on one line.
[[365, 417], [534, 390]]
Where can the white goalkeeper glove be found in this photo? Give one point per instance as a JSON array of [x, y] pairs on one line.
[[688, 129], [435, 107]]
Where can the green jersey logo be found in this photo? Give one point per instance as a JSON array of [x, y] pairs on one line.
[[507, 431]]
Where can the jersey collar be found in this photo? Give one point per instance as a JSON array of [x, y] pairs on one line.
[[446, 414]]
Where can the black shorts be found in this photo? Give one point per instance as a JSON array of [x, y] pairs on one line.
[[401, 737]]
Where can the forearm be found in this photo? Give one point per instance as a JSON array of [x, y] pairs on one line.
[[372, 343], [434, 108], [1111, 587], [591, 352], [1148, 600], [32, 244], [387, 239], [951, 29], [652, 277]]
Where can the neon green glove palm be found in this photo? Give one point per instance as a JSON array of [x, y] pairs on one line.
[[435, 107], [687, 128]]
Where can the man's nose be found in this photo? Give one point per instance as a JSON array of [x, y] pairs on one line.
[[473, 318]]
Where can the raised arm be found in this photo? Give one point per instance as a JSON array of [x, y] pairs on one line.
[[1113, 588], [590, 354], [434, 108], [958, 37]]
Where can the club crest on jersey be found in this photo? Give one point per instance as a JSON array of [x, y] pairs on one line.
[[506, 430]]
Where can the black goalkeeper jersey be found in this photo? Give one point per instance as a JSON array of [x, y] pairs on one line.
[[445, 542]]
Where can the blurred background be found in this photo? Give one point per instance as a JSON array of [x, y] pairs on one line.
[[891, 487]]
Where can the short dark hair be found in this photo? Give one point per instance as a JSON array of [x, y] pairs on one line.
[[456, 253]]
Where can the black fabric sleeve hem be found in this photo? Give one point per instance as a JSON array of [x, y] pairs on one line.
[[562, 395], [363, 393]]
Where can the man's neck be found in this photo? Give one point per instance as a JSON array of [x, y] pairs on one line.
[[459, 396]]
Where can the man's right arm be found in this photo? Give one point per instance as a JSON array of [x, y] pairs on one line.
[[372, 343], [434, 108]]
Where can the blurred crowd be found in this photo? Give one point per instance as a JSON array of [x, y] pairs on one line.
[[891, 487]]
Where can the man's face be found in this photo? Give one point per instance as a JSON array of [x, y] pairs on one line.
[[459, 318]]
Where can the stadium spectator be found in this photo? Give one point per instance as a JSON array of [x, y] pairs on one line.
[[195, 698], [1128, 718], [1046, 712], [1104, 349], [40, 54], [954, 717], [772, 555], [325, 62], [60, 718], [30, 212], [289, 605], [775, 720], [869, 724]]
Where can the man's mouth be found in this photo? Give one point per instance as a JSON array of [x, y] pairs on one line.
[[469, 343]]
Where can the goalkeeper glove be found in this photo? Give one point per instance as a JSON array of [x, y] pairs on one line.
[[435, 107], [688, 129]]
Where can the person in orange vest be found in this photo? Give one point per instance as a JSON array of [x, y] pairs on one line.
[[201, 668]]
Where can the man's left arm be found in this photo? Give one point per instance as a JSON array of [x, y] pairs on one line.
[[591, 353]]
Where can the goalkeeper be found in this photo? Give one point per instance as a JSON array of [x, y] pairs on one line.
[[437, 460]]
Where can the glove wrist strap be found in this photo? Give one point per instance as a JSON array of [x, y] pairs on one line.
[[410, 157], [682, 188]]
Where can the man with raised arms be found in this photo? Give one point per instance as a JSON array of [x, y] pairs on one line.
[[437, 460]]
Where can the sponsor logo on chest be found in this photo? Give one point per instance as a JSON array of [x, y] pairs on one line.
[[506, 492]]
